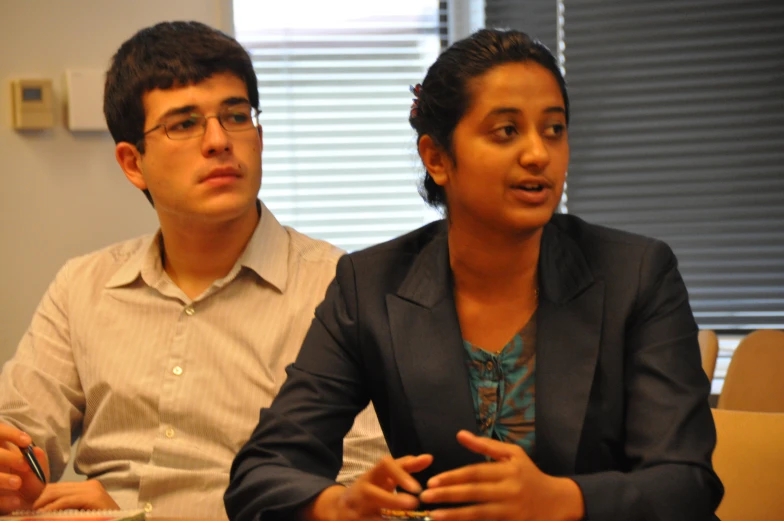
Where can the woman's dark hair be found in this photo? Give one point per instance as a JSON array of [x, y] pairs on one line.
[[166, 55], [444, 96]]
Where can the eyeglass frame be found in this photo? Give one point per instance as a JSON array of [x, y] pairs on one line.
[[254, 119]]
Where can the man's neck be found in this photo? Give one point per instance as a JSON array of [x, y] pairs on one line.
[[197, 253]]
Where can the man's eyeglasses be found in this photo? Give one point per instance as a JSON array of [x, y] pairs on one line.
[[192, 124]]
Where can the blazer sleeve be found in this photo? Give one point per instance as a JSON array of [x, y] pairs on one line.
[[296, 450], [669, 428]]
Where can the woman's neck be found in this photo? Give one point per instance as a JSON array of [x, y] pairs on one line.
[[494, 264]]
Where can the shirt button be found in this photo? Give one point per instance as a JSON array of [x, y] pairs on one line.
[[177, 370], [189, 310], [489, 366], [148, 507], [170, 433]]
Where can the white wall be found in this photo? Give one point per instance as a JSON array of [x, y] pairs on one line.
[[464, 18], [62, 194]]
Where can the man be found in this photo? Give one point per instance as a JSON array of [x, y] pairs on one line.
[[160, 351]]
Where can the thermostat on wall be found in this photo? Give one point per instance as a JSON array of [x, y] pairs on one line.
[[33, 106]]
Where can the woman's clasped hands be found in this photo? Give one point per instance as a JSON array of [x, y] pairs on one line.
[[507, 487]]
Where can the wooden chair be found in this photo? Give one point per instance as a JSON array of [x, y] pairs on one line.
[[749, 459], [754, 379], [709, 351]]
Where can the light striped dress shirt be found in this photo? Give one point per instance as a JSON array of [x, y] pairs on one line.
[[162, 389]]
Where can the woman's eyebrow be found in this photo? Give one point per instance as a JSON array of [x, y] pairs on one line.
[[499, 111]]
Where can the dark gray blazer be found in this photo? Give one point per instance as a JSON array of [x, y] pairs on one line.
[[621, 398]]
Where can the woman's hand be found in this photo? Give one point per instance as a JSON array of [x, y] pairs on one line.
[[509, 488], [373, 491]]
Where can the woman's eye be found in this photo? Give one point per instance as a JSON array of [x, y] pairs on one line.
[[556, 130], [505, 132]]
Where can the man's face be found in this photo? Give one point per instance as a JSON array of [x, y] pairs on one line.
[[214, 177]]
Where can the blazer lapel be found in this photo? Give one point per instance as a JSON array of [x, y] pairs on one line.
[[427, 343], [568, 335], [428, 349]]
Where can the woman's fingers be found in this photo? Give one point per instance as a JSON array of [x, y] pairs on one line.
[[390, 469]]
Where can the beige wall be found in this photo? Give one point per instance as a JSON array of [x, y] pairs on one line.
[[62, 194]]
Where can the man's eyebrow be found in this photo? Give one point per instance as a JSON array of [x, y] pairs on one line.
[[235, 100], [228, 102], [178, 110]]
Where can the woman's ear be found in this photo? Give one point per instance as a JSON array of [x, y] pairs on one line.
[[129, 159], [436, 160]]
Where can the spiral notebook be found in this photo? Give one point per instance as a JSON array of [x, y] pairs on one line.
[[77, 515]]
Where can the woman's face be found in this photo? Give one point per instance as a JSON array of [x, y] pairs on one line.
[[511, 152]]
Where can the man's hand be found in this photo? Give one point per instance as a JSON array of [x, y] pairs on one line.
[[84, 495], [373, 491], [509, 488], [19, 486]]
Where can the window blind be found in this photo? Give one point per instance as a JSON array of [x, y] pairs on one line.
[[537, 18], [339, 159], [677, 132]]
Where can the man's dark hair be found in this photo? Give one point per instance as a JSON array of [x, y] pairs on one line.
[[166, 55], [163, 56]]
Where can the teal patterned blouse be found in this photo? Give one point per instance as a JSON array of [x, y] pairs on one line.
[[503, 388]]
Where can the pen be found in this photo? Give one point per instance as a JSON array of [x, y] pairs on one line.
[[33, 462]]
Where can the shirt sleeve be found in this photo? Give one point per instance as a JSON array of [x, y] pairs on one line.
[[296, 450], [40, 390], [363, 447]]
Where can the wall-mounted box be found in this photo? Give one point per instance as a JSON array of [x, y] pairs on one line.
[[84, 99], [32, 104]]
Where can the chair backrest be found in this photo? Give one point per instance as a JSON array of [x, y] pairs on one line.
[[749, 459], [755, 376], [709, 351]]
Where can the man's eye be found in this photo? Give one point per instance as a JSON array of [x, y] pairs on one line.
[[182, 125], [238, 117]]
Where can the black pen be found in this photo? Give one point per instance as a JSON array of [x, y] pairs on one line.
[[33, 462]]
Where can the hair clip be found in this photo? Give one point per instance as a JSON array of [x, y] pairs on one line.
[[416, 90]]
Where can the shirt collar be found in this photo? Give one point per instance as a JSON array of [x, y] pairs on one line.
[[266, 254], [148, 255]]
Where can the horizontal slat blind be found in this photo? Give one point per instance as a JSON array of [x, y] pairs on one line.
[[538, 18], [443, 24], [339, 160], [678, 132]]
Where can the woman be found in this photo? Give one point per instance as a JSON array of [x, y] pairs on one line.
[[523, 365]]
